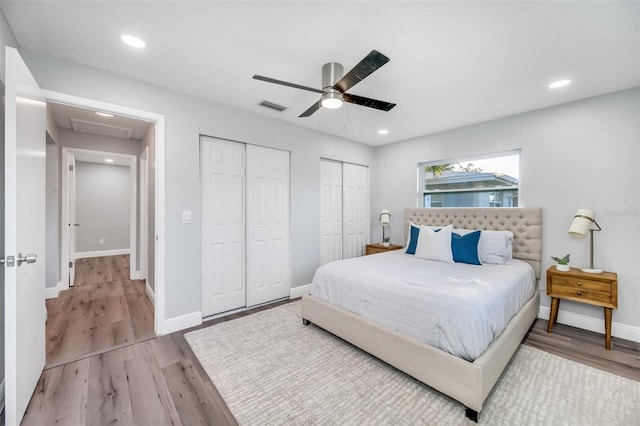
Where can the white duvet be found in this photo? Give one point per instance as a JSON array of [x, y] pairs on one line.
[[458, 308]]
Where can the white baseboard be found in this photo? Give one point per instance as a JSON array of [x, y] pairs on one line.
[[623, 331], [299, 291], [151, 294], [53, 292], [101, 253], [180, 323]]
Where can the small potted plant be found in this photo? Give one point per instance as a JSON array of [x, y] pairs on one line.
[[562, 263], [385, 241]]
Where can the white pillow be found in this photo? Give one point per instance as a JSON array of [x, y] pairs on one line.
[[494, 246], [434, 245], [418, 226]]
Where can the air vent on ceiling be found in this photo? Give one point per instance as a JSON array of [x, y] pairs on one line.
[[272, 106], [101, 129]]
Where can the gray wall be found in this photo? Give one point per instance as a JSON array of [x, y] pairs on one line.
[[6, 39], [578, 155], [187, 118], [52, 213], [102, 207], [83, 140]]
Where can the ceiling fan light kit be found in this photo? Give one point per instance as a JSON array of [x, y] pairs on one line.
[[334, 84]]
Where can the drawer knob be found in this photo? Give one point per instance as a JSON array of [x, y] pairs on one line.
[[579, 283], [579, 293]]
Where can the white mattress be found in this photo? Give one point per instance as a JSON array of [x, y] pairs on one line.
[[458, 308]]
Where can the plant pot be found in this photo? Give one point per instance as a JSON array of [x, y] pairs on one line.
[[562, 268], [386, 243]]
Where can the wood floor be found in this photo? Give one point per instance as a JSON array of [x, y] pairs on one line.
[[102, 311], [160, 382]]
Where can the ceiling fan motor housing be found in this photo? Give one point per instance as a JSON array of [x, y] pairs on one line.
[[331, 73]]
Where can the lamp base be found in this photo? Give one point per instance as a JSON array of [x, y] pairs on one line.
[[591, 271]]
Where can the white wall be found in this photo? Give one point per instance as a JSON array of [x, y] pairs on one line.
[[148, 142], [102, 207], [578, 155], [187, 118]]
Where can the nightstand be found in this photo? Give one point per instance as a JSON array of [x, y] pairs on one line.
[[379, 248], [594, 289]]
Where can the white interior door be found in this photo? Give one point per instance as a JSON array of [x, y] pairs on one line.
[[268, 259], [24, 235], [330, 211], [355, 209], [223, 221], [72, 224]]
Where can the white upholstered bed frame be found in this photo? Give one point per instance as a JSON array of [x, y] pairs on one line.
[[464, 381]]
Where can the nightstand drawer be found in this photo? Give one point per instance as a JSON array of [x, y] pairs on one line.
[[581, 284], [379, 248], [581, 293]]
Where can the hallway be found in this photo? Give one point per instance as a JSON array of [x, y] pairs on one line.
[[103, 311]]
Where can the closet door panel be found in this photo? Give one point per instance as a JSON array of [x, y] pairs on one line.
[[268, 257], [355, 209], [330, 211], [223, 224]]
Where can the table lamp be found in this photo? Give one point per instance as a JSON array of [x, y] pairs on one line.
[[581, 224], [385, 219]]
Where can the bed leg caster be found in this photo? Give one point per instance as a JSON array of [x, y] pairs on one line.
[[472, 414], [305, 321]]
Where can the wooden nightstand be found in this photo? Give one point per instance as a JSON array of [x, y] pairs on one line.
[[379, 248], [594, 289]]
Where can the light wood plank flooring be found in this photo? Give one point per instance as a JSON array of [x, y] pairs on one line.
[[102, 311], [160, 382]]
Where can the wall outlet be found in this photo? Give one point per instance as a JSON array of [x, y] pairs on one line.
[[101, 241]]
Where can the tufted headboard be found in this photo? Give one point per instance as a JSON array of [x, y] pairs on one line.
[[524, 222]]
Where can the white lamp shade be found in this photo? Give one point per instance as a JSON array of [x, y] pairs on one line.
[[385, 217], [582, 222]]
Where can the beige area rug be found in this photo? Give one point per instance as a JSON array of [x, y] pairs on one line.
[[272, 370]]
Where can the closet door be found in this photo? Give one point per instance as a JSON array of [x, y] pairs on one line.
[[223, 224], [330, 211], [268, 259], [355, 209]]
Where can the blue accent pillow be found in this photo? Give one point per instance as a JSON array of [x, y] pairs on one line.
[[465, 248], [413, 240]]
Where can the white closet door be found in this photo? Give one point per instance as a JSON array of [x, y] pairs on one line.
[[330, 211], [268, 260], [223, 225], [355, 209]]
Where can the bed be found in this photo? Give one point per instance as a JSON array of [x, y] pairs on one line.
[[468, 382]]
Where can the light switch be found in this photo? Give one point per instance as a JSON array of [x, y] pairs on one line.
[[186, 216]]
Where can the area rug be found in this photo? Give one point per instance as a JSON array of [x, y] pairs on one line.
[[272, 370]]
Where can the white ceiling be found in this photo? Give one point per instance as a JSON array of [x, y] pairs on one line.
[[452, 63]]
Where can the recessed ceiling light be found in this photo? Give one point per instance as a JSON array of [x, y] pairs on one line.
[[133, 41], [383, 131], [559, 83], [108, 160], [104, 114]]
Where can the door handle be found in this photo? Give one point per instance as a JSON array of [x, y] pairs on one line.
[[29, 258]]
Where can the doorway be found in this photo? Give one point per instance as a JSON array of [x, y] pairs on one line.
[[102, 299]]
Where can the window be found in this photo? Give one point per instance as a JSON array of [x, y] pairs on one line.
[[491, 181]]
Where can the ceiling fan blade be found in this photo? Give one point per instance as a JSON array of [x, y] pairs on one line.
[[369, 64], [313, 108], [367, 102], [286, 83]]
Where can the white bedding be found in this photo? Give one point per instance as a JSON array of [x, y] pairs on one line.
[[458, 308]]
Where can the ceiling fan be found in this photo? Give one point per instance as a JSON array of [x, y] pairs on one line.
[[334, 84]]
